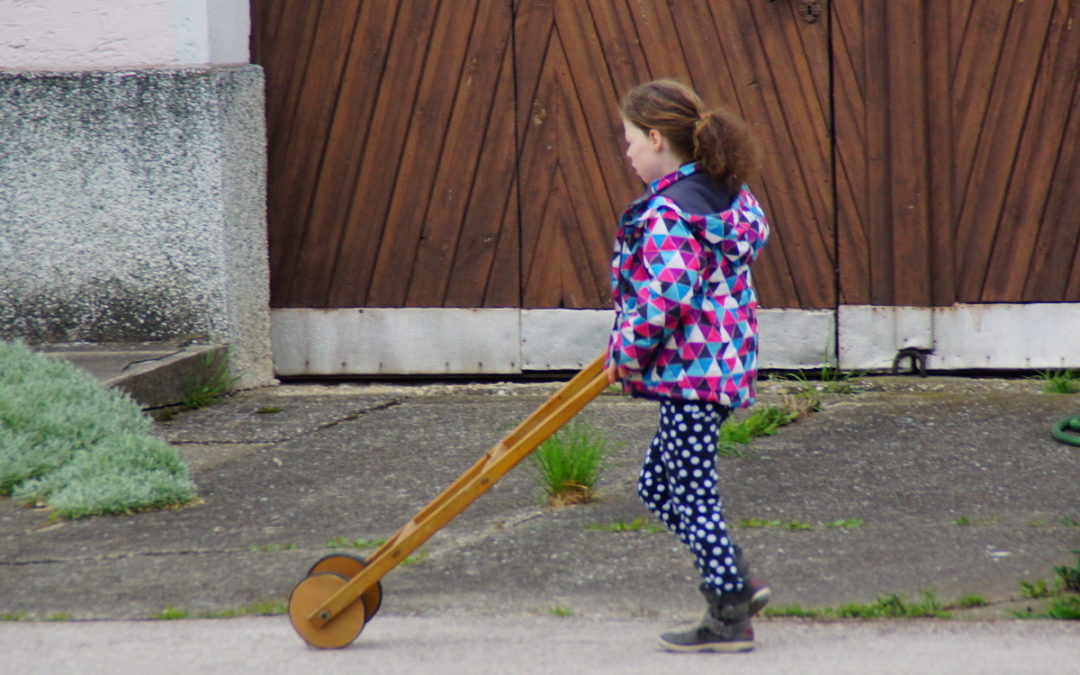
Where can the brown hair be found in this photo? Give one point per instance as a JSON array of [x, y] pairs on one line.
[[718, 140]]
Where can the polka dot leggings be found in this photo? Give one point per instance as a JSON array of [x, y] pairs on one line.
[[678, 484]]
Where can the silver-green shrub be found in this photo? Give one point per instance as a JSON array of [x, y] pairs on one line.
[[80, 448]]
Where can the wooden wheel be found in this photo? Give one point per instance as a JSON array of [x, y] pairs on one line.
[[308, 595], [349, 566]]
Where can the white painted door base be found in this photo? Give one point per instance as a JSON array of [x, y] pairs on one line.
[[422, 341]]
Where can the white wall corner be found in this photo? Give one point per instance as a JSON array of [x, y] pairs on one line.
[[70, 35], [563, 339], [871, 335], [796, 338], [411, 341]]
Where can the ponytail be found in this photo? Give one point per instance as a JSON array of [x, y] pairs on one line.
[[718, 140], [725, 148]]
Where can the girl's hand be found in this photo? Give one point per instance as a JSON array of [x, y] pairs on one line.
[[615, 373]]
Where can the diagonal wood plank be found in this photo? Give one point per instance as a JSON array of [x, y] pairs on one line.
[[459, 162], [383, 151]]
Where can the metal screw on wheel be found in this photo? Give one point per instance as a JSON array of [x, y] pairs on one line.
[[308, 596], [349, 566]]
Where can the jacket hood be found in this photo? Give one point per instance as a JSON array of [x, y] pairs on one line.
[[735, 223]]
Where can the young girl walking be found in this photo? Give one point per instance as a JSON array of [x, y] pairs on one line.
[[685, 329]]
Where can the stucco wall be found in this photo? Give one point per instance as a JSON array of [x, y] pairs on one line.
[[98, 34], [132, 208]]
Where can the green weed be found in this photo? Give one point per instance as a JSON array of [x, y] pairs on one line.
[[561, 612], [1060, 381], [213, 380], [887, 607], [962, 521], [828, 379], [13, 616], [793, 611], [59, 616], [762, 422], [268, 607], [760, 523], [892, 606], [1070, 522], [1070, 576], [1036, 589], [569, 463], [268, 410], [414, 559], [1064, 607], [171, 613], [845, 523], [968, 601], [636, 525]]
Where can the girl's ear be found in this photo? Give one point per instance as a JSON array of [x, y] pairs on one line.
[[656, 139]]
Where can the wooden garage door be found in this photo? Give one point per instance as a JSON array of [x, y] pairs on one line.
[[392, 153], [470, 154], [958, 170]]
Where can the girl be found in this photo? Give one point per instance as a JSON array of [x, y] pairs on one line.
[[685, 330]]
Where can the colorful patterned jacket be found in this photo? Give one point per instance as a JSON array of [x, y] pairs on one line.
[[685, 324]]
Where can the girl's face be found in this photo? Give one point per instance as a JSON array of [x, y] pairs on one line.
[[645, 152]]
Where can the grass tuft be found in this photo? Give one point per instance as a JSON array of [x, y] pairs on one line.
[[1070, 576], [569, 464], [762, 422], [887, 607], [73, 445], [171, 613], [1060, 381], [636, 525], [212, 381]]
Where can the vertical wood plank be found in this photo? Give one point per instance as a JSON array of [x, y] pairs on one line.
[[940, 219], [878, 179], [908, 216]]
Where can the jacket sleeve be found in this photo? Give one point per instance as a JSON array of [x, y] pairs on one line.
[[664, 273], [744, 231]]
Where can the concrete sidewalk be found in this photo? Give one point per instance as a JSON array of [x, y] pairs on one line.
[[289, 474], [471, 645]]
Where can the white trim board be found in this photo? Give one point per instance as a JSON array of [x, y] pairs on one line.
[[964, 336], [427, 341], [423, 341]]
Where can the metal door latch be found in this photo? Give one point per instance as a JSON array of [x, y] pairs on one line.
[[809, 11]]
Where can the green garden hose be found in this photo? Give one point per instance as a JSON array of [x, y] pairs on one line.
[[1068, 430]]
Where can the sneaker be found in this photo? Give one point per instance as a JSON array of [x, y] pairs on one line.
[[711, 635], [759, 595], [725, 628], [759, 590]]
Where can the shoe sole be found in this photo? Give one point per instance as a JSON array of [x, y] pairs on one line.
[[723, 647], [759, 599]]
